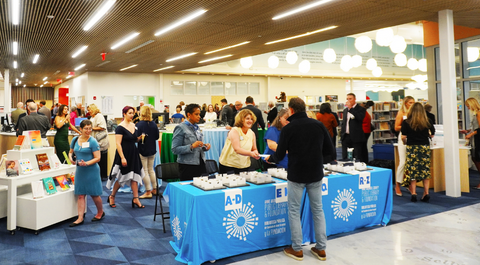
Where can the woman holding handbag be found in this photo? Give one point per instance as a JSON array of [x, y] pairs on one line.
[[99, 127]]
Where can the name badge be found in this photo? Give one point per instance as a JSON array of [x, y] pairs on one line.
[[86, 145], [241, 138], [404, 117]]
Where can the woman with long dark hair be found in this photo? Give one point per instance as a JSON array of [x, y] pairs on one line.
[[416, 133], [62, 123], [272, 135], [127, 167]]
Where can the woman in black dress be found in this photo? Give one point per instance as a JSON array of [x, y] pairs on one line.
[[127, 167]]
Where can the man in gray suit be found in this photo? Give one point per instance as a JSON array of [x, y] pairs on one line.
[[34, 121], [43, 109]]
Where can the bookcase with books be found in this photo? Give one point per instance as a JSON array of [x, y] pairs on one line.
[[383, 119], [44, 188]]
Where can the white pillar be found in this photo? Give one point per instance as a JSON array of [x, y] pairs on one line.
[[7, 89], [449, 97]]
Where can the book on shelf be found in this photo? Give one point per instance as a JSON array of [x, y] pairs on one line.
[[42, 161], [2, 162], [12, 168], [37, 189], [54, 161], [25, 167], [35, 139], [70, 178], [19, 143], [49, 185], [62, 182], [384, 126], [66, 158]]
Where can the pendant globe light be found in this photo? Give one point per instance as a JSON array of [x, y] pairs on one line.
[[371, 64], [377, 72], [412, 64], [291, 57], [273, 62], [304, 66], [400, 59], [356, 60], [329, 55], [346, 63], [363, 44], [398, 44], [384, 37], [246, 62], [422, 65], [472, 54]]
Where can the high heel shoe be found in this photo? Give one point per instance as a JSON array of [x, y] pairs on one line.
[[134, 204], [414, 198], [108, 201], [426, 198]]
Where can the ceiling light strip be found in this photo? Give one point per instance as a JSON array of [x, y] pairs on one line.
[[15, 11], [140, 46], [15, 64], [302, 35], [229, 47], [35, 58], [15, 48], [131, 66], [215, 58], [102, 63], [79, 67], [181, 56], [79, 51], [22, 75], [99, 14], [164, 68], [180, 22], [300, 9], [129, 37], [45, 78]]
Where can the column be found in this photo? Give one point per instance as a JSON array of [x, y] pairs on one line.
[[7, 89], [448, 83]]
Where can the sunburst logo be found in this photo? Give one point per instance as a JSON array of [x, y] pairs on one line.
[[344, 204], [177, 231], [240, 222]]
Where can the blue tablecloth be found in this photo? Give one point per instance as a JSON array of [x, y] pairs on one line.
[[216, 138], [210, 225]]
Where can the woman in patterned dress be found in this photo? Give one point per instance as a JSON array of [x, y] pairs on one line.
[[416, 134]]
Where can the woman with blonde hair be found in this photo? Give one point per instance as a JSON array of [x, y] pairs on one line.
[[240, 145], [416, 133], [99, 132], [474, 107], [402, 149], [148, 132]]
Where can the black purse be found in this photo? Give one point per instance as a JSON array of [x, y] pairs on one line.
[[74, 156]]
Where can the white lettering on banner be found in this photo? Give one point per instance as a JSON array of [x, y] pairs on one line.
[[281, 192], [272, 208], [240, 222], [364, 180], [324, 186], [233, 199], [275, 226]]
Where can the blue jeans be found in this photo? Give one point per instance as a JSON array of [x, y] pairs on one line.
[[314, 191]]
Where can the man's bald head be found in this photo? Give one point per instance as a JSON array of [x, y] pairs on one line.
[[32, 107], [20, 105]]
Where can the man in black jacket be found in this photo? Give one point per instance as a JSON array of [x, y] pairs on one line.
[[226, 114], [352, 134], [250, 105], [307, 142], [272, 113]]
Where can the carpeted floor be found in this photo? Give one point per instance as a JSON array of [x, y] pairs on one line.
[[130, 236]]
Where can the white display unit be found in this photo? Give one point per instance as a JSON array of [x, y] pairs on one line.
[[13, 183]]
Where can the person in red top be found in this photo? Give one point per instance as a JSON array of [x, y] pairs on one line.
[[326, 117], [367, 129]]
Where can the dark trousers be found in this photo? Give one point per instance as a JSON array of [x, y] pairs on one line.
[[188, 172], [357, 151], [365, 149], [103, 164], [226, 169]]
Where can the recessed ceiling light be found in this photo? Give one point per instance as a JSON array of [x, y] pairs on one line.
[[99, 14], [181, 56], [16, 80], [15, 11], [129, 37], [216, 58], [229, 47], [35, 58], [45, 78], [20, 81], [302, 35], [45, 82], [140, 46], [79, 51], [50, 16], [300, 9], [181, 22], [24, 85], [131, 66], [79, 67], [41, 85], [15, 64], [164, 68], [56, 72], [22, 75], [15, 48]]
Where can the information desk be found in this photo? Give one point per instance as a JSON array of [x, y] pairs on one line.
[[210, 225]]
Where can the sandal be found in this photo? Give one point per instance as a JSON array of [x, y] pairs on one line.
[[108, 201], [134, 204]]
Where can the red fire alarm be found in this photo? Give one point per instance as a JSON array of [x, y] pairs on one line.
[[161, 100], [94, 97]]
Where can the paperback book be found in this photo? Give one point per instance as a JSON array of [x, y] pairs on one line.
[[70, 178], [62, 182], [19, 143], [37, 189], [55, 162], [49, 185], [2, 162], [12, 168], [66, 158], [35, 139], [25, 166], [42, 161]]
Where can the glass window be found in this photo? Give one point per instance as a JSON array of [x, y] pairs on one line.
[[437, 63], [254, 88], [242, 88], [176, 87], [471, 60], [217, 88], [203, 88], [190, 88], [439, 104], [230, 88]]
